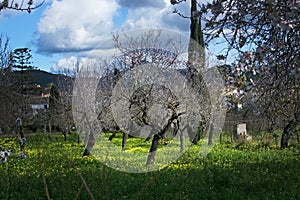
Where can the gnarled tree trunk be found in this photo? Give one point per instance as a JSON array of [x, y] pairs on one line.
[[287, 131], [153, 149]]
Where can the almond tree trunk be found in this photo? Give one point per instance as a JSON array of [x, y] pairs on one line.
[[90, 143], [153, 149], [182, 147], [286, 134], [124, 140]]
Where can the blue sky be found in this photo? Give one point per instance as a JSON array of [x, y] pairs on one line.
[[62, 31], [20, 29]]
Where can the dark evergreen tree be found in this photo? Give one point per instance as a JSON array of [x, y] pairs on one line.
[[21, 83], [21, 59]]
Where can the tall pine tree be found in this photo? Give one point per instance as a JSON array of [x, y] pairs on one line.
[[21, 59], [21, 62]]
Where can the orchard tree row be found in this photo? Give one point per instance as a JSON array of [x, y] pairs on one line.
[[262, 37]]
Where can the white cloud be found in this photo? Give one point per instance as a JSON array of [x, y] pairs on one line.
[[73, 64], [150, 15], [142, 3], [79, 28], [65, 64], [142, 18], [75, 25]]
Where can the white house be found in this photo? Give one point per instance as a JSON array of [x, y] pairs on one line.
[[39, 103]]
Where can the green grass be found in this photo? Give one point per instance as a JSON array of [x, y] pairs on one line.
[[227, 172]]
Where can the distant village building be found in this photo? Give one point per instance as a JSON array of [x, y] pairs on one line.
[[39, 103], [241, 131]]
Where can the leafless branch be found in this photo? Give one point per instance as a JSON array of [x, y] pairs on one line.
[[20, 6]]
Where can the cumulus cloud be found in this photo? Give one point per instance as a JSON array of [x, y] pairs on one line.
[[74, 64], [75, 25], [145, 14], [68, 63], [142, 18], [157, 13], [142, 3]]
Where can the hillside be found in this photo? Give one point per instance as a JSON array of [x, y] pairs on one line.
[[40, 77]]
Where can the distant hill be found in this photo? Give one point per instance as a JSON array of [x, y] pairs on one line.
[[40, 77]]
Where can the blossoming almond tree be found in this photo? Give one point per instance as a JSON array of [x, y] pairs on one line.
[[269, 32]]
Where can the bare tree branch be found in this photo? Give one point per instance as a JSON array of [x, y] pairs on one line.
[[20, 5]]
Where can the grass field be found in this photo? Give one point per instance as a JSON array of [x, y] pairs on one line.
[[55, 169]]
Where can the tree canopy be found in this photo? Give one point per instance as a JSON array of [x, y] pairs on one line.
[[265, 34]]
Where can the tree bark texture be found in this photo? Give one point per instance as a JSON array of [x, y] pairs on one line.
[[286, 134], [153, 149]]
